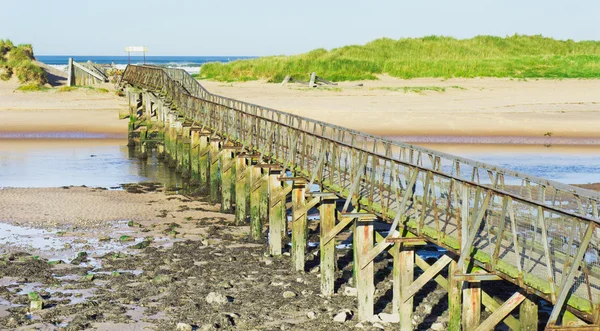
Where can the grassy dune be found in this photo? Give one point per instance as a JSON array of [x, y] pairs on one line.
[[516, 56], [18, 60]]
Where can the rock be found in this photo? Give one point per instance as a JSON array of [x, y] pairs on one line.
[[437, 326], [389, 318], [183, 327], [289, 294], [311, 315], [350, 291], [267, 261], [341, 317], [359, 325], [216, 298], [379, 326]]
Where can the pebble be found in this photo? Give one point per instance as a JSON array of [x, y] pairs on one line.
[[379, 326], [183, 327], [216, 298], [311, 315], [341, 317], [289, 294], [350, 291], [389, 318], [437, 326]]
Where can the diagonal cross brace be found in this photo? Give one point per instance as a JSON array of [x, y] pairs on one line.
[[426, 276], [499, 314], [465, 251], [311, 203]]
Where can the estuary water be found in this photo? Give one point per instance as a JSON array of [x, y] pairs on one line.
[[109, 162]]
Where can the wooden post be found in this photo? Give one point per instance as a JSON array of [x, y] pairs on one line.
[[327, 215], [242, 189], [299, 224], [276, 213], [227, 180], [179, 146], [454, 298], [363, 243], [403, 277], [528, 313], [203, 161], [255, 192], [214, 188], [263, 209], [186, 166], [471, 305], [194, 156]]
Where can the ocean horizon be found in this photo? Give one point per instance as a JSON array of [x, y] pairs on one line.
[[191, 64]]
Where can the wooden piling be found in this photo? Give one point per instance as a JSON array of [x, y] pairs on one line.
[[471, 305], [214, 182], [203, 161], [276, 212], [299, 224], [454, 298], [242, 189], [227, 180], [186, 167], [179, 146], [404, 265], [363, 243], [327, 215], [528, 313], [255, 197], [194, 156]]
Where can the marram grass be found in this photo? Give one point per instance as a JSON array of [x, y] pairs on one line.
[[18, 60], [515, 56]]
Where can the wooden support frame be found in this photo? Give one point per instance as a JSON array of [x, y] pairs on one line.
[[228, 182], [363, 242], [214, 182], [277, 213], [242, 189], [327, 250], [501, 313], [257, 182], [299, 224]]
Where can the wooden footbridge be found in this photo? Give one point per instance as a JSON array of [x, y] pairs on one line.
[[497, 224]]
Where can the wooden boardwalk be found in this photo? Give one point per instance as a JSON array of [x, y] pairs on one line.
[[497, 224]]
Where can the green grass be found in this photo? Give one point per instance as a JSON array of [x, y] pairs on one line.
[[18, 60], [515, 56], [32, 87], [417, 89], [87, 87]]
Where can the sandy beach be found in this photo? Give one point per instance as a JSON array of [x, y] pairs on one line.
[[476, 110], [80, 111]]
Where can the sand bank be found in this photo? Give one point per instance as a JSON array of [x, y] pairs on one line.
[[487, 109], [81, 111]]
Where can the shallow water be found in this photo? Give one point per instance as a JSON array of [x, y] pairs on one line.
[[563, 163], [64, 162]]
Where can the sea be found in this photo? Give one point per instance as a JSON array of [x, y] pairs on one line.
[[190, 64]]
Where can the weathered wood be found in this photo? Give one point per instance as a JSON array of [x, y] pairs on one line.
[[311, 83], [186, 166], [406, 260], [528, 313], [194, 156], [299, 225], [471, 305], [500, 313], [242, 190], [327, 266], [363, 242], [276, 214], [214, 182], [412, 288], [255, 219], [454, 299], [203, 162], [227, 181]]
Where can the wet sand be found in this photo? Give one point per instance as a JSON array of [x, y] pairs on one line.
[[80, 112], [474, 110]]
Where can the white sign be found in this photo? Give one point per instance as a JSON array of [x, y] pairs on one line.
[[136, 49]]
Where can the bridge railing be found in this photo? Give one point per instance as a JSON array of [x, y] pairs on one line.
[[552, 193], [550, 248]]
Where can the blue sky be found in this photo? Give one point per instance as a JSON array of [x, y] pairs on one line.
[[269, 27]]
